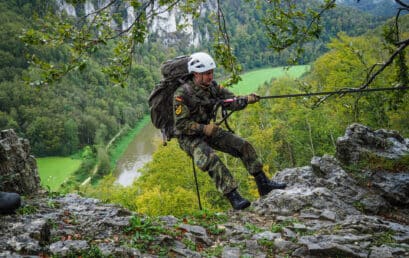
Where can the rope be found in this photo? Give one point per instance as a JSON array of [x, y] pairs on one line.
[[333, 92], [225, 116]]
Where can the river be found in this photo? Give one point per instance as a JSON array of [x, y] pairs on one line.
[[138, 153]]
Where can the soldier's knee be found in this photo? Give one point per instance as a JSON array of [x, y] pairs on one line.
[[210, 163], [247, 149], [205, 157]]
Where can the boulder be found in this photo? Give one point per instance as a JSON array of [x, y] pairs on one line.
[[18, 168]]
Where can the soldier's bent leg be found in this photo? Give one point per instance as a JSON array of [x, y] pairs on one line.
[[238, 147], [207, 160]]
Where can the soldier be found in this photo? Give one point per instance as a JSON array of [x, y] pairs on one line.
[[193, 111]]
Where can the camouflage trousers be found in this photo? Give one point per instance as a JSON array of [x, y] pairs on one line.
[[202, 149]]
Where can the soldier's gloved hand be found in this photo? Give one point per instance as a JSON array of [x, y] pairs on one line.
[[253, 98], [240, 103], [210, 129]]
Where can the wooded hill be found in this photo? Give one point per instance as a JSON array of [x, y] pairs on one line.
[[83, 108]]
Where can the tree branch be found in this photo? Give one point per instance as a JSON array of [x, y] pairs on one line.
[[386, 64]]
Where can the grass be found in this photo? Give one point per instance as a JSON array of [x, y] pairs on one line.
[[251, 81], [54, 171]]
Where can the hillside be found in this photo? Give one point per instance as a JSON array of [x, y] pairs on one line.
[[383, 8], [339, 206]]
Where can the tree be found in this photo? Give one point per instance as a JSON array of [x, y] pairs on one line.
[[289, 27]]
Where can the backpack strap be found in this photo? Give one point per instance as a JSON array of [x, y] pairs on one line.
[[187, 88], [188, 94]]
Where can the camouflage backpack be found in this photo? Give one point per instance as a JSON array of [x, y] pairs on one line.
[[175, 73]]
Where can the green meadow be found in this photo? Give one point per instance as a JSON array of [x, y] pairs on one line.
[[252, 80], [54, 170]]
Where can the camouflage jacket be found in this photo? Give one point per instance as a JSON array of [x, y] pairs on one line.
[[194, 106]]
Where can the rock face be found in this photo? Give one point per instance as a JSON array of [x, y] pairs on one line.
[[18, 168], [360, 141], [329, 209]]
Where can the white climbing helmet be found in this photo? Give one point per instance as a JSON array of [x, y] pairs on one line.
[[201, 62]]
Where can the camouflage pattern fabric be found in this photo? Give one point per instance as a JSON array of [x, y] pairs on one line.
[[192, 108]]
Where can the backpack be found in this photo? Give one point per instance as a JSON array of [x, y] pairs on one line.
[[175, 73]]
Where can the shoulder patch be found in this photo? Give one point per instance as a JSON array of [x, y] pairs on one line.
[[178, 110], [179, 98]]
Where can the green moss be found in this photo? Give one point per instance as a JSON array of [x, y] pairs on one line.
[[384, 238], [27, 209]]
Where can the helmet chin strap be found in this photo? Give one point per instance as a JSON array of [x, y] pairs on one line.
[[200, 82]]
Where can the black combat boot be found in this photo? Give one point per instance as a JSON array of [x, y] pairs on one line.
[[9, 202], [238, 202], [265, 186]]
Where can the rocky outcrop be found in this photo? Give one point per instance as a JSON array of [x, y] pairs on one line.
[[361, 142], [329, 209], [18, 168]]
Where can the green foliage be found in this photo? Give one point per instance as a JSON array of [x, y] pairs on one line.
[[81, 110], [83, 172], [278, 227], [207, 219], [103, 163], [289, 23], [267, 246], [143, 231], [253, 228], [27, 209], [384, 238], [359, 206], [91, 252]]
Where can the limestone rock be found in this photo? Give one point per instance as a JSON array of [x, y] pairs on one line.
[[18, 168]]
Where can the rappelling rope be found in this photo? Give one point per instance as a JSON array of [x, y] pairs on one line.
[[342, 91]]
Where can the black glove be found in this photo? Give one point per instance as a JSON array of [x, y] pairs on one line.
[[242, 102], [236, 103]]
